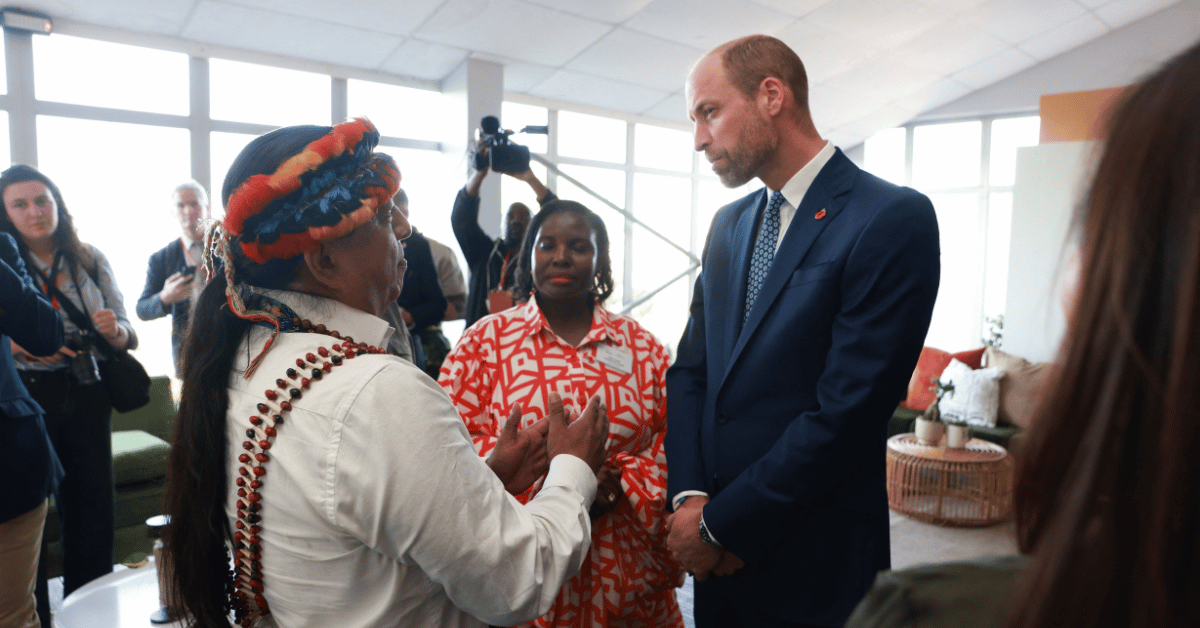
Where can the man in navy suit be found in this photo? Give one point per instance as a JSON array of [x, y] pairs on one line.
[[806, 323], [171, 278]]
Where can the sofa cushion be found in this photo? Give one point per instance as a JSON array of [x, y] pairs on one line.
[[976, 395], [1019, 388], [929, 367], [138, 457]]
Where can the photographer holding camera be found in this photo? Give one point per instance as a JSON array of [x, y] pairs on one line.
[[78, 412], [491, 263]]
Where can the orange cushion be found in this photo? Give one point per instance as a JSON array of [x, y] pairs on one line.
[[972, 358], [930, 366]]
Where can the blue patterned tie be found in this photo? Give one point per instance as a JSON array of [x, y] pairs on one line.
[[764, 252]]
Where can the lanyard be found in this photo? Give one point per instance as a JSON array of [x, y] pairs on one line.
[[187, 253], [53, 277]]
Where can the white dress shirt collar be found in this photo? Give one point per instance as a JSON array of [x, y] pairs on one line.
[[796, 187], [346, 320]]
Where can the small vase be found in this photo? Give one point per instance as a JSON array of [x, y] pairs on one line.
[[957, 436], [929, 432]]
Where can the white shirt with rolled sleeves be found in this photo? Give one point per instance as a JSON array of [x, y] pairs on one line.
[[376, 509]]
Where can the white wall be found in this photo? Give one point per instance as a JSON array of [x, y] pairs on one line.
[[1119, 58], [1051, 179]]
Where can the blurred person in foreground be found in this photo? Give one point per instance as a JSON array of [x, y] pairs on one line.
[[342, 477], [78, 413], [27, 460], [1106, 499], [562, 340]]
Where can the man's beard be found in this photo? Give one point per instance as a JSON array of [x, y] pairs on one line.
[[755, 146], [512, 239]]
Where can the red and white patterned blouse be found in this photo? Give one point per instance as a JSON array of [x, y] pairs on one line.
[[514, 357]]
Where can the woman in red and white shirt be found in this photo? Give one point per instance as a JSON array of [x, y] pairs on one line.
[[562, 340]]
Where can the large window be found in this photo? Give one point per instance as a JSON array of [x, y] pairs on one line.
[[116, 180], [119, 141], [400, 111], [967, 169], [102, 74], [246, 92]]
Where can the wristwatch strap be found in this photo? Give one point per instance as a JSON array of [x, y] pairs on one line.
[[705, 535]]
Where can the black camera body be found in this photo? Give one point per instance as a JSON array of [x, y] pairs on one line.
[[84, 368], [503, 155]]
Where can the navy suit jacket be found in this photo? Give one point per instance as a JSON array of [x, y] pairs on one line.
[[28, 464], [163, 263], [783, 420]]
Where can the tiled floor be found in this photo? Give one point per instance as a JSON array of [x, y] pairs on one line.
[[913, 543]]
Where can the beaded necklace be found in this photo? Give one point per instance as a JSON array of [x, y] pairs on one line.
[[246, 587]]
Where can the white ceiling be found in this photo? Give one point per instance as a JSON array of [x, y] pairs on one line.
[[872, 64]]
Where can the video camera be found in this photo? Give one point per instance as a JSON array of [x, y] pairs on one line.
[[503, 155]]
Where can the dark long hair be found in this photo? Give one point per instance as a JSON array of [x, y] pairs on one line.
[[1107, 497], [197, 486], [602, 286], [65, 239]]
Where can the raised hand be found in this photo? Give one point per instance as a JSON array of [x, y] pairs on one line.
[[519, 457], [585, 437]]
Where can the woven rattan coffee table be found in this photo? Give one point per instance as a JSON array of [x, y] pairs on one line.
[[955, 487]]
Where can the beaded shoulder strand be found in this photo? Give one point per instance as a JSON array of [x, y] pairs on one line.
[[246, 595]]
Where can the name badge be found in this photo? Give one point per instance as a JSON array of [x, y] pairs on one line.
[[615, 357]]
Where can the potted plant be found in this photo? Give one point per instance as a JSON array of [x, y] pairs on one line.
[[957, 434], [929, 427]]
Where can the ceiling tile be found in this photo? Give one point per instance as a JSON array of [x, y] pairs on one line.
[[424, 60], [162, 17], [523, 77], [831, 107], [1063, 38], [253, 29], [931, 96], [673, 108], [947, 47], [706, 24], [999, 66], [1121, 12], [823, 51], [598, 92], [878, 23], [632, 57], [796, 8], [609, 11], [376, 15], [1015, 21], [885, 77], [512, 29], [879, 119]]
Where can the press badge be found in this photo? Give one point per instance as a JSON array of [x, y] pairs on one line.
[[615, 357]]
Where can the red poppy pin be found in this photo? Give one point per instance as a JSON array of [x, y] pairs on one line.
[[820, 215]]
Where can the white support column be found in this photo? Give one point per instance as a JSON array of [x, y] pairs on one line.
[[200, 126], [477, 86], [338, 95], [22, 106]]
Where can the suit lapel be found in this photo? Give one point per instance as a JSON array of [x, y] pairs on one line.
[[834, 181]]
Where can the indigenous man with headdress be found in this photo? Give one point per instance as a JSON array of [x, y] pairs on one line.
[[341, 477]]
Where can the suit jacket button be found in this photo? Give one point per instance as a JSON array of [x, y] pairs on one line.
[[722, 418]]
